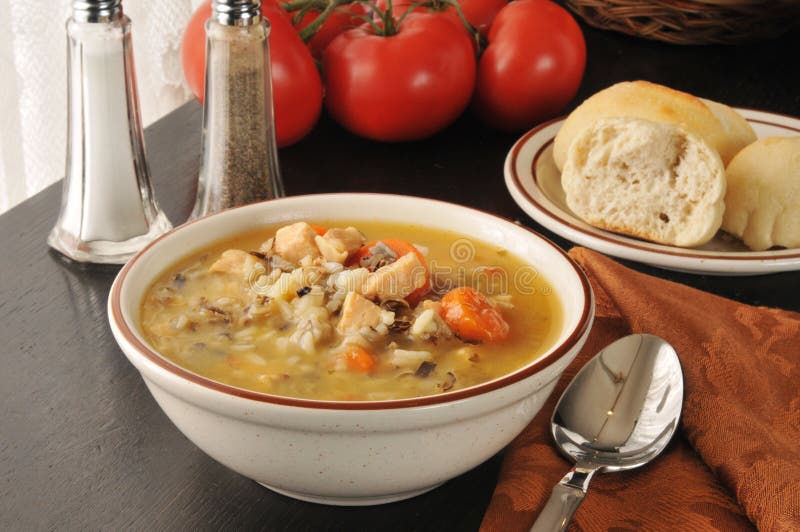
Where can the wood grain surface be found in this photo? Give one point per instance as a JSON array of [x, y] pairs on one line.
[[82, 443]]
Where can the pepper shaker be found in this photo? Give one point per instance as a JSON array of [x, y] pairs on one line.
[[108, 211], [240, 155]]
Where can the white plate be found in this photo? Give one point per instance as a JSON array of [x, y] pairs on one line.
[[535, 184]]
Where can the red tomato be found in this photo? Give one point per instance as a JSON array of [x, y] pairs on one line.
[[342, 19], [404, 87], [532, 67], [297, 87], [401, 6], [479, 13]]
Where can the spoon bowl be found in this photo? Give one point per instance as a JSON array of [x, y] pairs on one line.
[[619, 412]]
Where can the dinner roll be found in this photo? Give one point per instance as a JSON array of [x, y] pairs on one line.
[[738, 131], [762, 205], [719, 125], [642, 178]]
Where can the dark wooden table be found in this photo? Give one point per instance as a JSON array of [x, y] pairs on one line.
[[82, 443]]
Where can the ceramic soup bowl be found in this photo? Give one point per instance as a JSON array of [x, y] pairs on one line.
[[351, 453]]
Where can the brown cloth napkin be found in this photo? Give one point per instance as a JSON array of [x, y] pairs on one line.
[[735, 461]]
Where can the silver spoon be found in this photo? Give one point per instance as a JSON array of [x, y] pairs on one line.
[[618, 413]]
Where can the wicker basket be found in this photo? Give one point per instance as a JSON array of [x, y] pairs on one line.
[[692, 21]]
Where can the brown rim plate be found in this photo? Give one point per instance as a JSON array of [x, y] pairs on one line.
[[534, 184]]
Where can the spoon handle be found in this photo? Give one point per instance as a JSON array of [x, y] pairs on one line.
[[566, 497]]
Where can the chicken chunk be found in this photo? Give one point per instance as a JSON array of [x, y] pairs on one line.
[[337, 244], [234, 261], [349, 238], [396, 280], [295, 241], [359, 312], [332, 250]]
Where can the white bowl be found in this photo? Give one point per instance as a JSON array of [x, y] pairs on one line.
[[351, 453]]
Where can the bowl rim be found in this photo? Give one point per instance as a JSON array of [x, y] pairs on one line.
[[558, 351]]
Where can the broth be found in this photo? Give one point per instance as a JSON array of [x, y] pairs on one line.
[[257, 323]]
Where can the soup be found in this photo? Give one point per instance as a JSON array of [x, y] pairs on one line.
[[358, 311]]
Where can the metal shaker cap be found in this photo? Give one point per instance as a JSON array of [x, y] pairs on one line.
[[237, 12], [96, 10]]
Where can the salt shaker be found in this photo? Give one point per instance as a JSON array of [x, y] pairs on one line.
[[240, 156], [108, 211]]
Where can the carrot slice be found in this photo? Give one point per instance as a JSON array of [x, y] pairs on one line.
[[400, 247], [358, 359], [472, 316], [320, 230]]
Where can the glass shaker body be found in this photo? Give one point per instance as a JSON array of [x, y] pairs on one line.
[[240, 156], [108, 211]]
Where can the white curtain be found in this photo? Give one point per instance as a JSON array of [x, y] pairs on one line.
[[33, 83]]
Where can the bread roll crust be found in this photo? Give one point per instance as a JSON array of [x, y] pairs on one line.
[[719, 125], [738, 131], [646, 179], [763, 198]]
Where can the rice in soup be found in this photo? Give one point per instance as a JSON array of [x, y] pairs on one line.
[[359, 311]]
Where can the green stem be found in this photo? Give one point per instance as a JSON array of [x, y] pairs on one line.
[[411, 8], [296, 5], [389, 27], [473, 31], [376, 30], [309, 31]]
